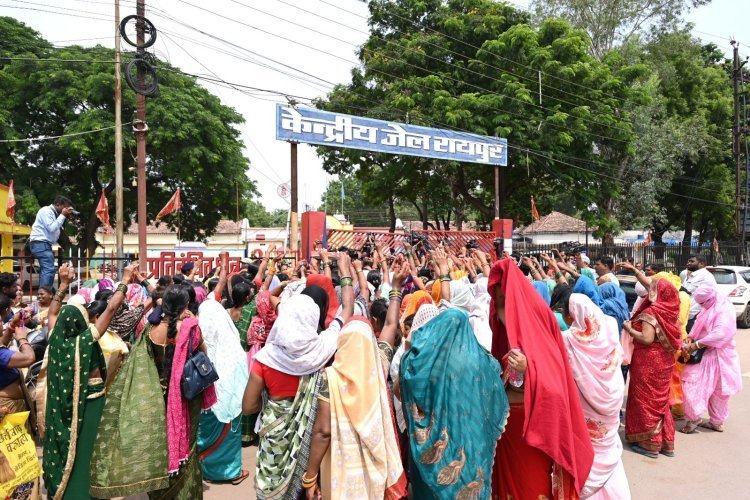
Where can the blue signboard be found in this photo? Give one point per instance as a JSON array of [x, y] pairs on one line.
[[314, 126]]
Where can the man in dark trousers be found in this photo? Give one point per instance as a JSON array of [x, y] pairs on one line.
[[45, 232]]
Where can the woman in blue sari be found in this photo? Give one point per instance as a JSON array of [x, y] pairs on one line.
[[614, 303], [587, 287], [456, 409]]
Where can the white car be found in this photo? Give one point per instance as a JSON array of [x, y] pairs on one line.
[[734, 282]]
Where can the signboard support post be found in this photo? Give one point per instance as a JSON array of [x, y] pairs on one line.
[[294, 223], [497, 192]]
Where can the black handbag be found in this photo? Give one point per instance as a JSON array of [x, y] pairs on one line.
[[198, 374], [696, 356]]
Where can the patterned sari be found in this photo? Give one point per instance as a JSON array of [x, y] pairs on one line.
[[285, 438], [362, 426], [74, 403], [648, 419], [130, 456], [457, 409]]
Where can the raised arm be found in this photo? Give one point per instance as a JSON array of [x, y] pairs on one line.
[[324, 261], [347, 294], [105, 318], [441, 260], [67, 275], [357, 274], [390, 329], [219, 290], [386, 278], [642, 278]]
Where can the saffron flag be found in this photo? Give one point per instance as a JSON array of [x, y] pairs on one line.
[[648, 239], [10, 208], [534, 212], [172, 205], [102, 210]]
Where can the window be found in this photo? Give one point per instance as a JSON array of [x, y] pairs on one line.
[[745, 275], [724, 277]]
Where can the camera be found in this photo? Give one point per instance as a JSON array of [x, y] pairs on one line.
[[472, 244], [74, 212]]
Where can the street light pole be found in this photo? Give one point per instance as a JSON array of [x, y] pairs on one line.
[[118, 139], [140, 135]]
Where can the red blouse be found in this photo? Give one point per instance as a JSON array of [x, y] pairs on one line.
[[279, 384]]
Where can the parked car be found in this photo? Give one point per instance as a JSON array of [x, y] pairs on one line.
[[29, 277], [627, 285], [734, 282]]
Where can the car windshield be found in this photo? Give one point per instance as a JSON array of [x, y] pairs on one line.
[[724, 276]]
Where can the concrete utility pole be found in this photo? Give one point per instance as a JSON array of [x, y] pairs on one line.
[[140, 136], [119, 211], [294, 226], [736, 132]]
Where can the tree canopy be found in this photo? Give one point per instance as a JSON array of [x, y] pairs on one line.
[[193, 142], [635, 131]]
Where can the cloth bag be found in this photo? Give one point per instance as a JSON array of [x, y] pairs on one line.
[[130, 452], [18, 459]]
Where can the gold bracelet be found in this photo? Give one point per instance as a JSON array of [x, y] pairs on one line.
[[308, 483]]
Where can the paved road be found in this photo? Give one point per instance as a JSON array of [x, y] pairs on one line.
[[707, 464]]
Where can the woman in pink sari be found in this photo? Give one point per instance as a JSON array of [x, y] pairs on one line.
[[708, 384], [595, 355]]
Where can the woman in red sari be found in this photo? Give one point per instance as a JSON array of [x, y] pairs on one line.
[[545, 451], [655, 328]]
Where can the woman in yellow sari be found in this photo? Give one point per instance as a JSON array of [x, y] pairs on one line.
[[675, 391]]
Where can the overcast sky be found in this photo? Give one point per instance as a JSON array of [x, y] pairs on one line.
[[327, 53]]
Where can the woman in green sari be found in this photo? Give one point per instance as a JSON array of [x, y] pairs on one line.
[[456, 409], [75, 387]]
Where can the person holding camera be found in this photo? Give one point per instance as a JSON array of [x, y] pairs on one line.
[[45, 232]]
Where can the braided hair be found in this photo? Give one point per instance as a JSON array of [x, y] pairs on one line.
[[174, 303]]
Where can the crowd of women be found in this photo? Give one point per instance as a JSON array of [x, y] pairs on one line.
[[392, 373]]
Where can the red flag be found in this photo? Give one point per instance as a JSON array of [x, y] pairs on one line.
[[102, 210], [534, 212], [10, 208], [172, 205], [648, 239]]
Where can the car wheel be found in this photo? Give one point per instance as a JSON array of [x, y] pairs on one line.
[[744, 320]]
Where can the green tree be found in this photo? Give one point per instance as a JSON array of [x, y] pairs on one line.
[[610, 23], [258, 216], [193, 142], [474, 65]]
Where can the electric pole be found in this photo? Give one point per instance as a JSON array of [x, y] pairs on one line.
[[737, 131], [118, 141], [293, 215], [140, 135]]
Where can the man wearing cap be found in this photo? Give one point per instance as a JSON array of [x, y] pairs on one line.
[[188, 271], [584, 262]]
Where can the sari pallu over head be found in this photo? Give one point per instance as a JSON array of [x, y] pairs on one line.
[[453, 432], [595, 355], [554, 421], [294, 346], [265, 317], [226, 353], [587, 287], [661, 310], [72, 348], [614, 303], [326, 284], [365, 458]]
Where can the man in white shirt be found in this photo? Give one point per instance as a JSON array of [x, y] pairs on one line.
[[604, 268], [45, 232], [697, 275]]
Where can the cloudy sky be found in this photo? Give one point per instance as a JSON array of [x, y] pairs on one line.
[[297, 47]]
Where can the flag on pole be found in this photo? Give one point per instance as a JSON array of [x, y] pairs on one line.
[[102, 211], [10, 208], [172, 205], [648, 239], [534, 211]]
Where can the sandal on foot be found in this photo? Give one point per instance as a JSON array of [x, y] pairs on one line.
[[644, 452], [706, 424], [243, 475], [689, 428], [666, 453]]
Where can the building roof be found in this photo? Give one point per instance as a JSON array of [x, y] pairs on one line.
[[224, 227], [555, 222]]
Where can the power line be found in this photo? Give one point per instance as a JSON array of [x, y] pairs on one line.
[[552, 124], [52, 137]]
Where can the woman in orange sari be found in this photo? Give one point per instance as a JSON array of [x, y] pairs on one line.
[[545, 451], [649, 424]]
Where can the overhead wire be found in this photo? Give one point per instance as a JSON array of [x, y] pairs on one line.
[[537, 153], [387, 74], [43, 138]]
